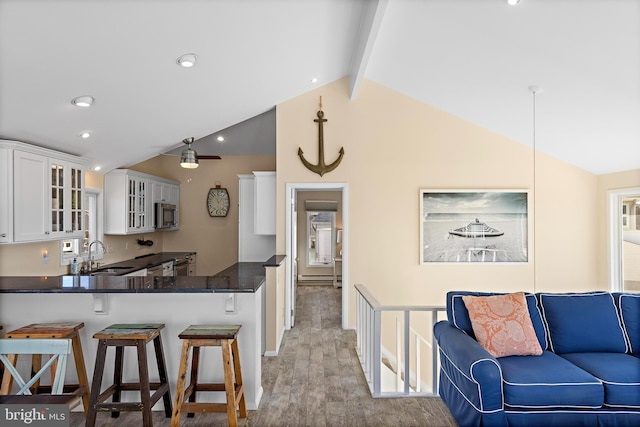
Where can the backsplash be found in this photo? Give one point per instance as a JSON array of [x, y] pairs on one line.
[[43, 258]]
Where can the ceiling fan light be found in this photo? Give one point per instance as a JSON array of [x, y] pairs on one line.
[[189, 159]]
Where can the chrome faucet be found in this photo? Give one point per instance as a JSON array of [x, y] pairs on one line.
[[90, 263]]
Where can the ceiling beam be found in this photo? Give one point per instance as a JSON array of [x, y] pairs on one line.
[[369, 26]]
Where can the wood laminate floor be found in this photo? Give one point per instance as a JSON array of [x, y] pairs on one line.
[[316, 380]]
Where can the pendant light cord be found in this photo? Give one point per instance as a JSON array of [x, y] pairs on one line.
[[534, 90]]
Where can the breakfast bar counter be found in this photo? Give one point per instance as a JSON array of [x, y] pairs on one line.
[[240, 277], [234, 296]]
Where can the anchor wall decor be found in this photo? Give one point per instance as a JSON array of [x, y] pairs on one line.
[[321, 168]]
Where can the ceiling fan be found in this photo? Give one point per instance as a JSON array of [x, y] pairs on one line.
[[189, 158]]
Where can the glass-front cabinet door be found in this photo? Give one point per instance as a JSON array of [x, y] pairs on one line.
[[137, 215], [77, 200], [66, 183], [57, 225]]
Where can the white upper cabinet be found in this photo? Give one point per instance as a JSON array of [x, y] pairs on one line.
[[164, 192], [265, 203], [127, 203], [6, 195], [41, 193], [31, 191], [67, 199], [130, 199], [252, 247]]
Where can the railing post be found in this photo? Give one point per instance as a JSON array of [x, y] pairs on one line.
[[377, 359], [418, 373], [398, 347], [407, 360], [434, 354]]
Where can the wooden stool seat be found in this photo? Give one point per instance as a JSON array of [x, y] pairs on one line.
[[121, 336], [58, 330], [196, 336]]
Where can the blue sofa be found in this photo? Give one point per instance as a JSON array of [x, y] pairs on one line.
[[587, 375]]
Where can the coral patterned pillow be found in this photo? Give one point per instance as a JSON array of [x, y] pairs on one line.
[[502, 325]]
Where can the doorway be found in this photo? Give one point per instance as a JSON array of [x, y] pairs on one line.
[[624, 239], [293, 247]]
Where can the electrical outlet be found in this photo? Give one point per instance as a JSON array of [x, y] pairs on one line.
[[230, 304]]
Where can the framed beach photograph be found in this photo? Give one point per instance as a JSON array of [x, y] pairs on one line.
[[469, 226]]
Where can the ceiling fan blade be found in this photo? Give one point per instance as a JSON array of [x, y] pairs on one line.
[[206, 157]]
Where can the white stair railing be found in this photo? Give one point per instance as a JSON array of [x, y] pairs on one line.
[[369, 346]]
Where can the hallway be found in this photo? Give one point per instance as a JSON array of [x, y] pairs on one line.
[[316, 380]]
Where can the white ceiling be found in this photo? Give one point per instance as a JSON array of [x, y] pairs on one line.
[[472, 58]]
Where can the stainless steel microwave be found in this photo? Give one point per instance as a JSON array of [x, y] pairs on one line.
[[166, 216]]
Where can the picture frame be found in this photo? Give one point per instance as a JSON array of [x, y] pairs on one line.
[[474, 226]]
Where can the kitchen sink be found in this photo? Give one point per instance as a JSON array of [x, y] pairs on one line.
[[109, 271]]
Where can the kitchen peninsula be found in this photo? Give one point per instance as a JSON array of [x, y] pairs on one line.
[[234, 296]]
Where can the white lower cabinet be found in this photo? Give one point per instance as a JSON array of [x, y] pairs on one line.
[[137, 273]]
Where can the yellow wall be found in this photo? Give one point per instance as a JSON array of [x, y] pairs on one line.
[[214, 239], [394, 146]]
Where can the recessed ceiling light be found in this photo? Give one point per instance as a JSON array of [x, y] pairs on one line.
[[220, 138], [85, 135], [187, 60], [97, 168], [314, 80], [83, 101], [513, 2]]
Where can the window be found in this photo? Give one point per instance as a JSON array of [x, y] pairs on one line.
[[79, 248]]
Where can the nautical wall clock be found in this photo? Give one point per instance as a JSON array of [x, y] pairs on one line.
[[218, 201]]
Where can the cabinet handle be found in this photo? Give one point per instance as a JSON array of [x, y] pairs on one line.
[[3, 235], [46, 232]]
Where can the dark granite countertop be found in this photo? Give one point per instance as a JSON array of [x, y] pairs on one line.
[[147, 261], [275, 261], [246, 277]]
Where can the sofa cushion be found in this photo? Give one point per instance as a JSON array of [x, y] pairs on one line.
[[548, 381], [620, 374], [458, 314], [502, 325], [582, 322], [629, 306]]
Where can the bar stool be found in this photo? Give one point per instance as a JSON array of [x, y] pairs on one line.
[[121, 336], [197, 336], [61, 330]]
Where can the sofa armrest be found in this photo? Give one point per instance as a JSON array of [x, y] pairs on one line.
[[474, 373]]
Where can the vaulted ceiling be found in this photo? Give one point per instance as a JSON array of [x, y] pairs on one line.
[[473, 58]]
